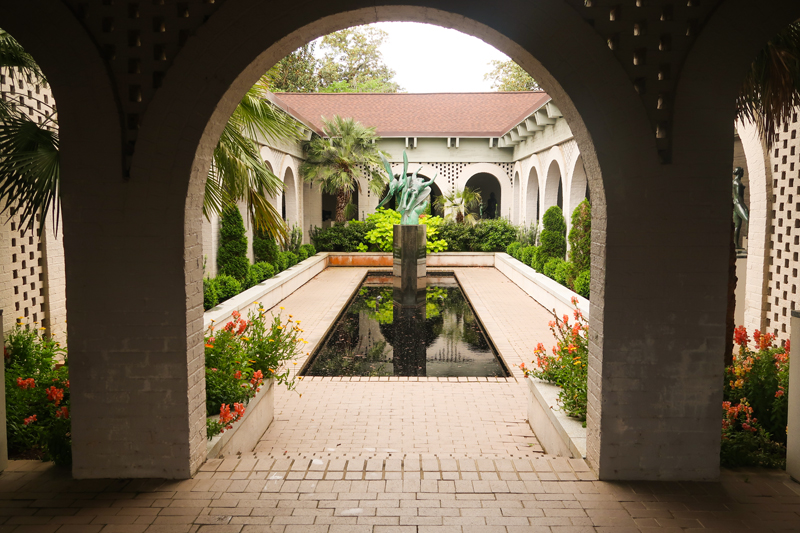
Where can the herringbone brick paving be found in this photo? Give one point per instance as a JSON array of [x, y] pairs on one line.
[[399, 455]]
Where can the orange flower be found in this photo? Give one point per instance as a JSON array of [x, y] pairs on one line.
[[55, 395], [30, 420]]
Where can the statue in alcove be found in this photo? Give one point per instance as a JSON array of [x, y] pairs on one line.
[[740, 212]]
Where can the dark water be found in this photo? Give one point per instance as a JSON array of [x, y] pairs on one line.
[[374, 338]]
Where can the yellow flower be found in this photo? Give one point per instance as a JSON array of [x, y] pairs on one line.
[[280, 327], [298, 321], [246, 338], [305, 342], [290, 316], [294, 363], [281, 308], [272, 340]]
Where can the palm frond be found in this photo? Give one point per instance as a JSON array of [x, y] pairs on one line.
[[29, 169], [12, 55], [769, 93]]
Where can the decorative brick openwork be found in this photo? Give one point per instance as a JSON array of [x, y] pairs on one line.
[[784, 231]]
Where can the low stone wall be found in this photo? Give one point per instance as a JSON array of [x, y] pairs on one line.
[[248, 431], [550, 294], [558, 433], [268, 292]]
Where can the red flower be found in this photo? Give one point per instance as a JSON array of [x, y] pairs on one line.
[[242, 327], [257, 377], [30, 420], [63, 412], [740, 336], [757, 337], [780, 392], [26, 383], [239, 408], [236, 315], [786, 347], [237, 374], [228, 326], [55, 395]]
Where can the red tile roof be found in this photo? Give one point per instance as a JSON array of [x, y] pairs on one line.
[[419, 115]]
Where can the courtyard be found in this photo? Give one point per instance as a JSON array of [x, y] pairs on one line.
[[399, 454]]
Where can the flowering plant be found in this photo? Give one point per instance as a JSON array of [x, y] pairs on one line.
[[37, 396], [240, 356], [567, 367], [755, 406]]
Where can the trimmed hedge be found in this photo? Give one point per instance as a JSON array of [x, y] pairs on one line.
[[232, 255]]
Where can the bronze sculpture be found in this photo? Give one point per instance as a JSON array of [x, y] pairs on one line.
[[740, 211], [411, 193]]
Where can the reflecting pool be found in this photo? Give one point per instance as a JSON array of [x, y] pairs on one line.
[[375, 338]]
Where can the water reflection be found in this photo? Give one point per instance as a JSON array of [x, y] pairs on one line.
[[376, 338]]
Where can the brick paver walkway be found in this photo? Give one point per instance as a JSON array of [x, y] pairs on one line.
[[398, 456]]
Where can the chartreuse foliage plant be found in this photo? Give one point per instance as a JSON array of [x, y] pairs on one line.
[[37, 396], [568, 365], [240, 356], [382, 235], [755, 406]]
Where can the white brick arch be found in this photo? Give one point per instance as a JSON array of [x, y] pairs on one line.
[[531, 191], [758, 253], [553, 178], [576, 178], [516, 192], [495, 170], [293, 191]]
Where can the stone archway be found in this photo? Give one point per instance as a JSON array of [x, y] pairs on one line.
[[126, 135], [290, 208], [553, 187], [491, 194], [532, 199]]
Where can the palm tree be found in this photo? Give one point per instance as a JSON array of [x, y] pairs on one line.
[[238, 172], [769, 94], [459, 206], [335, 160], [29, 168]]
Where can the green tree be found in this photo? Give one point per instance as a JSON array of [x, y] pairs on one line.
[[232, 256], [553, 240], [352, 62], [508, 76], [295, 73], [580, 237], [335, 160]]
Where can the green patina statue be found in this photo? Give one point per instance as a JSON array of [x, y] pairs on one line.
[[740, 211], [411, 193]]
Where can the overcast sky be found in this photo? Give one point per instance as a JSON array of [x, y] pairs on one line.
[[432, 59]]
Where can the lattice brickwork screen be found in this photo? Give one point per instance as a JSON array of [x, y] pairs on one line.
[[784, 231]]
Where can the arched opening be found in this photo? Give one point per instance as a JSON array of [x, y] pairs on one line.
[[489, 187], [578, 190], [515, 200], [289, 206], [553, 189], [532, 198]]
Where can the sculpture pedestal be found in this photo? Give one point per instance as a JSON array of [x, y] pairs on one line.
[[410, 272]]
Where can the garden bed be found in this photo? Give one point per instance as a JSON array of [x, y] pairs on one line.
[[248, 431]]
